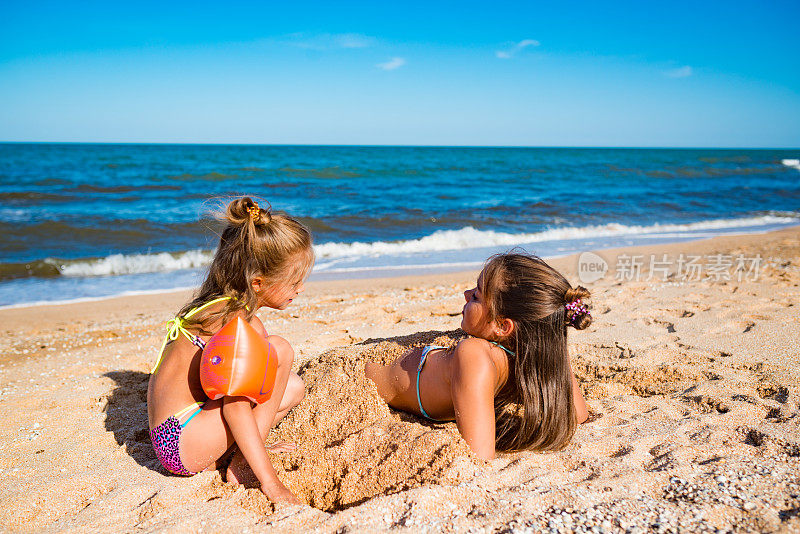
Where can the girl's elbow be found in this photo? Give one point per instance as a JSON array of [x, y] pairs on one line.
[[486, 455], [582, 415]]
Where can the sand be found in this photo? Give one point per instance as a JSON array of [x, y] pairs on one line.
[[693, 385]]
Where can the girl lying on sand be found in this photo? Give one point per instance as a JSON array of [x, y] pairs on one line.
[[509, 386], [262, 260]]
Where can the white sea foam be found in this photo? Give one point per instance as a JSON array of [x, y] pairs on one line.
[[331, 254], [401, 267], [469, 237], [794, 163], [13, 215], [96, 299], [118, 264]]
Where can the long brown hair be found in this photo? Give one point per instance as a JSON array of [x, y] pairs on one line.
[[255, 242], [535, 408]]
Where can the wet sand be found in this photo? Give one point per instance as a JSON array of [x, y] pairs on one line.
[[693, 384]]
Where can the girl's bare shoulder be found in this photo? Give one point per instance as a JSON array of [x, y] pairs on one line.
[[473, 354], [222, 320], [256, 323]]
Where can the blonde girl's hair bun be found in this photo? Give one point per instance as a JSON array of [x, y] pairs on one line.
[[244, 210], [576, 303]]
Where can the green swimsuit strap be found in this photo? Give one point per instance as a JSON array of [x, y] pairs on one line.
[[175, 328]]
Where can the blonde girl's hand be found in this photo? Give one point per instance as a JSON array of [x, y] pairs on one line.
[[278, 493], [281, 446]]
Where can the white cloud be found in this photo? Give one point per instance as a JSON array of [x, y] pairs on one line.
[[511, 52], [527, 42], [331, 41], [680, 72], [354, 40], [392, 64]]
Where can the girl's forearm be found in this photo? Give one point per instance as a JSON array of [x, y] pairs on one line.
[[238, 415], [581, 411]]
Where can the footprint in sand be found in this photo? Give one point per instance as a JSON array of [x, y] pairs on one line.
[[622, 451], [773, 392]]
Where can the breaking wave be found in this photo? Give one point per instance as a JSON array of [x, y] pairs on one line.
[[470, 237], [328, 253]]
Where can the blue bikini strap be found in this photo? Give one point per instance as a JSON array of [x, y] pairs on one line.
[[510, 352], [422, 359]]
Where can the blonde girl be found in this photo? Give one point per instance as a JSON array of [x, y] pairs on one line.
[[509, 385], [262, 261]]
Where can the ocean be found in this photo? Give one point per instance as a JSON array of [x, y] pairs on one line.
[[83, 221]]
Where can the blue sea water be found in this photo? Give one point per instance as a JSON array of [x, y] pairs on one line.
[[93, 220]]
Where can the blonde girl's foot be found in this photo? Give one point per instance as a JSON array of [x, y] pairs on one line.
[[239, 471]]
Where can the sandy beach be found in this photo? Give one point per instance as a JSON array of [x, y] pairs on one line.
[[692, 379]]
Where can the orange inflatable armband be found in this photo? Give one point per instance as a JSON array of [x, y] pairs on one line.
[[238, 361]]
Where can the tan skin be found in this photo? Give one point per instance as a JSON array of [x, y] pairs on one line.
[[459, 383], [229, 420]]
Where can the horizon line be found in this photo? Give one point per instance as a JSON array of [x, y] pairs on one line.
[[620, 147]]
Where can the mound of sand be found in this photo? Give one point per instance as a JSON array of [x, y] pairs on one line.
[[351, 445]]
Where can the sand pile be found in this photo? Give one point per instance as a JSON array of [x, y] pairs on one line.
[[351, 445]]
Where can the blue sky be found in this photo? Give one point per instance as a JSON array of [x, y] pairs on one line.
[[707, 74]]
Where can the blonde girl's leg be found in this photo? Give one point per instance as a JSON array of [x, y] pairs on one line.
[[267, 414], [292, 396], [292, 393], [295, 391], [207, 437]]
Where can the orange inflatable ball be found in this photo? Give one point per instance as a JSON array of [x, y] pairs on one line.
[[238, 362]]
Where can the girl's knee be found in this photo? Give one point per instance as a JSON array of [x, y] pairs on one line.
[[283, 348]]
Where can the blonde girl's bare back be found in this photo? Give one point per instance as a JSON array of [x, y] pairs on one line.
[[177, 382]]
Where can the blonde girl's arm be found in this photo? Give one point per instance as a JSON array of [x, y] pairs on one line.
[[473, 383], [241, 415], [238, 414]]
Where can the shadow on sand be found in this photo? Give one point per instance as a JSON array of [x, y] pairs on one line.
[[126, 417]]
